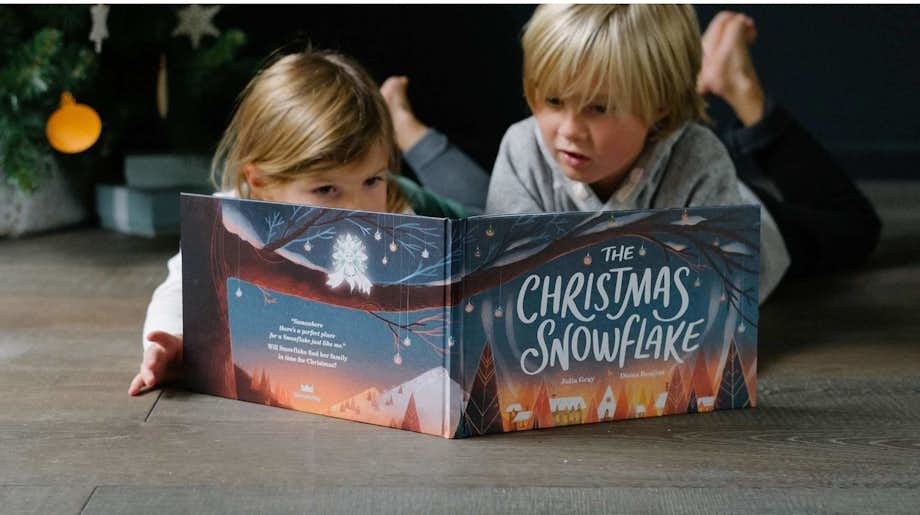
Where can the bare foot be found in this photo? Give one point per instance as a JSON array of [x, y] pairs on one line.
[[409, 130], [727, 69]]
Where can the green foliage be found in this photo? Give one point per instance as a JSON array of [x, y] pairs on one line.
[[37, 68]]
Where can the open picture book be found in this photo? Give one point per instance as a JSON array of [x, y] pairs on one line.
[[471, 326]]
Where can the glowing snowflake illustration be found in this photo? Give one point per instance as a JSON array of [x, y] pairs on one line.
[[349, 264]]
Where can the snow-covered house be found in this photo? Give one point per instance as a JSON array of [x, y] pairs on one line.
[[607, 406], [523, 420], [568, 410]]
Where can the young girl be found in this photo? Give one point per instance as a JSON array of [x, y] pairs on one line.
[[613, 90], [310, 128]]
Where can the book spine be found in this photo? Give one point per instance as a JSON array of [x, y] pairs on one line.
[[447, 430]]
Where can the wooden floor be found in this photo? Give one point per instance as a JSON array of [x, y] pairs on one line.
[[837, 430]]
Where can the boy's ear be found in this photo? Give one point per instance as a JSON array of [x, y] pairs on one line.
[[661, 114], [254, 176]]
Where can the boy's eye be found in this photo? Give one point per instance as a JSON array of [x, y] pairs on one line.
[[599, 109], [554, 101], [324, 190]]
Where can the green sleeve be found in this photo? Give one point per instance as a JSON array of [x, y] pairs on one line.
[[426, 203]]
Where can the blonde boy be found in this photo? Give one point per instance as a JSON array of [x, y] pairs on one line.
[[615, 122]]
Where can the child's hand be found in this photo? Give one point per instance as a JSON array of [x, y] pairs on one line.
[[407, 127], [161, 363], [727, 69]]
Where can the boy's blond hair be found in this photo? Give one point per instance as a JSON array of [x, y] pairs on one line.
[[306, 112], [638, 59]]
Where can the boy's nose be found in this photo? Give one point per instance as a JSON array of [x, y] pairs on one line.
[[571, 125]]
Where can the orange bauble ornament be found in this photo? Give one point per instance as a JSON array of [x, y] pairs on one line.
[[73, 127]]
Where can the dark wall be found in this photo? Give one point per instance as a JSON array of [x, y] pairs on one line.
[[849, 73]]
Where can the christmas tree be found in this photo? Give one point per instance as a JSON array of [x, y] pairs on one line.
[[483, 413], [410, 419], [733, 392], [41, 58], [114, 68], [675, 402]]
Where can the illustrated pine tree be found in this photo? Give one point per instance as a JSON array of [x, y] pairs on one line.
[[676, 402], [542, 414], [691, 402], [410, 420], [733, 391], [622, 409], [483, 411], [702, 381]]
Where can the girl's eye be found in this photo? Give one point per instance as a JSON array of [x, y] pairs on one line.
[[599, 109], [324, 190], [373, 181], [554, 101]]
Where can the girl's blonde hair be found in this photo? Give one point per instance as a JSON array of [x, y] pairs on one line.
[[306, 112], [640, 59]]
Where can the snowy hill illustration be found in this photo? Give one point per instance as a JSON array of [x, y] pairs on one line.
[[417, 405]]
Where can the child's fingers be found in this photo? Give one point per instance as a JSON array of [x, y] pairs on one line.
[[140, 383], [162, 337], [171, 343]]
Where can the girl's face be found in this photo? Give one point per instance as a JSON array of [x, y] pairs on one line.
[[591, 145], [359, 185]]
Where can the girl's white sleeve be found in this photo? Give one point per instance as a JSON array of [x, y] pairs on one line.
[[165, 310]]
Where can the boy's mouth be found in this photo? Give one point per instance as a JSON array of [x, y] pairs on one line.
[[573, 159]]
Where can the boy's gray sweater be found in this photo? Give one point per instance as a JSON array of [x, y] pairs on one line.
[[690, 167]]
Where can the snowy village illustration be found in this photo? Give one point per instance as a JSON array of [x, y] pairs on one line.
[[459, 328]]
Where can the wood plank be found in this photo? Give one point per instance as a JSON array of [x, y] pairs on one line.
[[525, 500], [42, 500]]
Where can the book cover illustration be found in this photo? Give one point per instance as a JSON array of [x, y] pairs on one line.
[[464, 327]]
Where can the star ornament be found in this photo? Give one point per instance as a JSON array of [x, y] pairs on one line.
[[197, 22], [99, 31]]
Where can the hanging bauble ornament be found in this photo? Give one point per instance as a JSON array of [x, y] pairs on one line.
[[741, 327], [696, 283], [425, 254], [587, 260], [642, 250], [162, 89], [499, 312], [384, 260], [476, 252], [469, 307], [73, 127], [99, 31], [407, 342], [490, 232], [377, 235], [393, 246], [307, 247], [397, 359]]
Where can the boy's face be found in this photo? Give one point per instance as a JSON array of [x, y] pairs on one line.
[[360, 185], [591, 145]]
